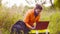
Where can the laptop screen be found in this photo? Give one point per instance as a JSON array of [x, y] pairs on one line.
[[42, 25]]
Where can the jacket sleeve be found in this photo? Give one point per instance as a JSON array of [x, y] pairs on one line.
[[26, 20]]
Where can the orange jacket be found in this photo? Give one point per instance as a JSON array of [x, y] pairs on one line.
[[30, 17]]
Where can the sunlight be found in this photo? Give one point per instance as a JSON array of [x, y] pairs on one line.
[[10, 3], [48, 3]]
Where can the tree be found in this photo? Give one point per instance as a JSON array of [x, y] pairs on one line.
[[36, 1], [57, 3], [0, 2], [41, 2], [51, 3]]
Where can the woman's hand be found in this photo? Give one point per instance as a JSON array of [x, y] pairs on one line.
[[34, 26]]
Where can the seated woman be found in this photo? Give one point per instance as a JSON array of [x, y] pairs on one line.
[[32, 16]]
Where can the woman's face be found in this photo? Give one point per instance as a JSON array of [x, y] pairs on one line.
[[37, 11]]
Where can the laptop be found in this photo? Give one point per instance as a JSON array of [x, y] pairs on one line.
[[42, 25]]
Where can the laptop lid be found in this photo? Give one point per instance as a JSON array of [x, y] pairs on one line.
[[42, 25]]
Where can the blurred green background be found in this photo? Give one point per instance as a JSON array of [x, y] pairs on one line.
[[9, 16]]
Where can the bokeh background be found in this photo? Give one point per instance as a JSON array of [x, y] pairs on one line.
[[13, 10]]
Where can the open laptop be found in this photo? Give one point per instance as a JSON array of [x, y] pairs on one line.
[[42, 25]]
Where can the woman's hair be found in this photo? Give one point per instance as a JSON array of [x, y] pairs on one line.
[[38, 7]]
